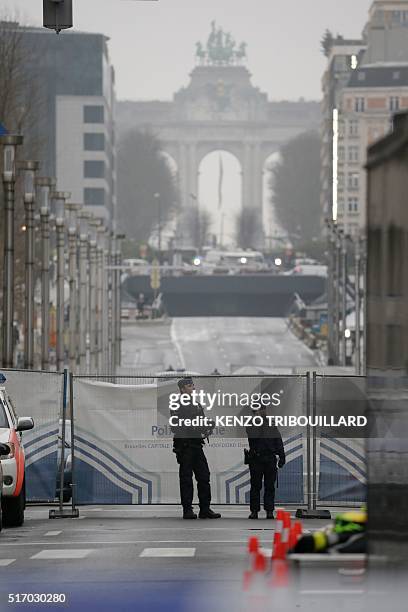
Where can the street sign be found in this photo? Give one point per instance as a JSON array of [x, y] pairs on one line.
[[3, 130], [155, 275]]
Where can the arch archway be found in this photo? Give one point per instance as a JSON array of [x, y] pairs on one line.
[[220, 192]]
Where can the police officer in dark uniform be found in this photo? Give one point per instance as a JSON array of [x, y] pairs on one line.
[[188, 447], [265, 445]]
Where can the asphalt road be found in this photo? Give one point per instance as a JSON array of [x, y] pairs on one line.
[[203, 344], [136, 558], [149, 559]]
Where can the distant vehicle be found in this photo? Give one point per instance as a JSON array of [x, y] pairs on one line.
[[13, 464], [235, 262], [134, 263], [308, 270]]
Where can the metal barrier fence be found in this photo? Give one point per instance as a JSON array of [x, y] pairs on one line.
[[339, 464], [123, 446], [39, 395], [115, 432]]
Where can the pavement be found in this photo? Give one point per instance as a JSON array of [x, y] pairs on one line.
[[201, 344], [126, 554], [148, 559]]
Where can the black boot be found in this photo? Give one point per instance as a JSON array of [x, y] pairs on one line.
[[209, 514], [253, 515], [269, 514], [188, 513]]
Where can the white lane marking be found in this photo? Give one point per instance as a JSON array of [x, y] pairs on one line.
[[333, 592], [168, 552], [117, 542], [175, 341], [62, 554], [52, 533], [5, 562]]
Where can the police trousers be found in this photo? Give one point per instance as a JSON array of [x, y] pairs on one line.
[[191, 461], [262, 472]]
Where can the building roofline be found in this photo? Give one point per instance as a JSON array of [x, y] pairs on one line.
[[392, 144]]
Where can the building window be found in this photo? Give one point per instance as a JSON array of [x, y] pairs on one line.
[[94, 169], [340, 154], [353, 182], [394, 103], [94, 114], [340, 206], [353, 204], [340, 180], [94, 196], [359, 105], [353, 154], [353, 127], [94, 142], [400, 17]]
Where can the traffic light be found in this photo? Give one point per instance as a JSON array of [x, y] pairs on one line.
[[57, 14]]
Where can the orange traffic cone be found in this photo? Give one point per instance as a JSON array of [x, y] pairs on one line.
[[260, 562], [279, 551], [286, 529], [253, 544]]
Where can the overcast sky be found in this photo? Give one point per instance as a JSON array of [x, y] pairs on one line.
[[153, 43]]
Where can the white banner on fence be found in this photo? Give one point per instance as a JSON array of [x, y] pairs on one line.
[[38, 395], [122, 456]]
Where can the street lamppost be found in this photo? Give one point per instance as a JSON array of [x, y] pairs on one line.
[[60, 197], [105, 301], [84, 217], [45, 185], [158, 198], [93, 325], [10, 143], [29, 169], [330, 294], [118, 308], [72, 210], [100, 253], [344, 298], [112, 301]]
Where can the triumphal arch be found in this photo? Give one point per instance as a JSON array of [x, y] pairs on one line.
[[220, 109]]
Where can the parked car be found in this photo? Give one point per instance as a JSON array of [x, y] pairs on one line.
[[13, 464], [4, 450]]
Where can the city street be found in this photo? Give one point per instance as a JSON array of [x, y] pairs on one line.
[[203, 344], [116, 555]]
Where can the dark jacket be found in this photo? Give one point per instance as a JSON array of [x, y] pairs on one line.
[[185, 435], [265, 442]]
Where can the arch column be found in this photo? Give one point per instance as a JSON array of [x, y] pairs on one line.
[[247, 176], [192, 170], [257, 168]]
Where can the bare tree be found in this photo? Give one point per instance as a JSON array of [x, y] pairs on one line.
[[142, 172], [21, 112], [248, 228], [198, 222]]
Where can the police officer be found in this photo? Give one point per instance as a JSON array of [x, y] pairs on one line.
[[188, 447], [265, 444]]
